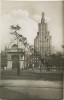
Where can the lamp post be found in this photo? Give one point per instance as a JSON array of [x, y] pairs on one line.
[[18, 67], [63, 49]]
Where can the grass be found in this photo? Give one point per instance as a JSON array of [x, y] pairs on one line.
[[30, 74]]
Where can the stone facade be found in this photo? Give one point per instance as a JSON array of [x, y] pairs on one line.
[[14, 56], [42, 42]]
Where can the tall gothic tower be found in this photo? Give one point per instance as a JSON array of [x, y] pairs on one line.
[[42, 42]]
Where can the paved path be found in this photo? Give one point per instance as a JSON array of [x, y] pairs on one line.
[[32, 83], [32, 89]]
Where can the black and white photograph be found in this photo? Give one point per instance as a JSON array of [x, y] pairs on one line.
[[31, 50]]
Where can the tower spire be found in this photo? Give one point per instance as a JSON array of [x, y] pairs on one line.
[[42, 14], [42, 20]]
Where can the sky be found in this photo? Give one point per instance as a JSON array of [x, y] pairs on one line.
[[27, 14]]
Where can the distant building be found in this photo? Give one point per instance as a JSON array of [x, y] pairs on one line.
[[33, 59], [3, 59], [42, 42]]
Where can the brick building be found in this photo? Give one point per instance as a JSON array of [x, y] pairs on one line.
[[42, 42]]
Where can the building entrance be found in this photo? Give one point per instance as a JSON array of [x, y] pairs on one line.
[[15, 62]]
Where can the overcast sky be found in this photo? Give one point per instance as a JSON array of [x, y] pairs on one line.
[[28, 15]]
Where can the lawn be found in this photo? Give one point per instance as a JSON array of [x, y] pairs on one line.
[[30, 74]]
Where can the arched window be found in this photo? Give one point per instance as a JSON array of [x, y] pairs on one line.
[[14, 46]]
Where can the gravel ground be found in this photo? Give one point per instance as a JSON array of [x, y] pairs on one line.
[[30, 89]]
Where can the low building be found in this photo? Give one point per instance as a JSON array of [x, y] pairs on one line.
[[3, 59]]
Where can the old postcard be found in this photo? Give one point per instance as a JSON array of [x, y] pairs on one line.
[[32, 50]]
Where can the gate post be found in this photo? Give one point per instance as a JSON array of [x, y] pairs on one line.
[[9, 61]]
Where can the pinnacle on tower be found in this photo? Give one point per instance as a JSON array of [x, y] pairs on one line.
[[42, 20], [42, 14]]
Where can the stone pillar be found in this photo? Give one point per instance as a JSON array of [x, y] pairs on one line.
[[9, 61], [9, 64], [21, 64], [21, 61]]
